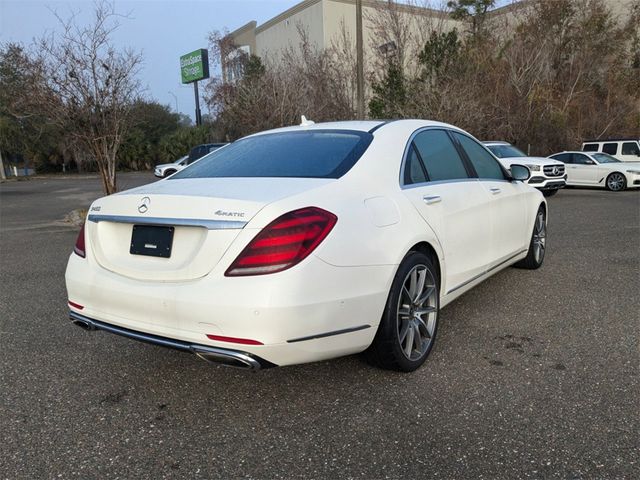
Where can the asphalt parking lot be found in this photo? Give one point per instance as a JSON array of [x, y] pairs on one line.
[[535, 374]]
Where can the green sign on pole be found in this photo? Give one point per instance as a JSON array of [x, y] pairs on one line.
[[194, 66]]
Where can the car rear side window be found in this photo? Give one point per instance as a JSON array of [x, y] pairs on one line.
[[439, 155], [483, 162], [298, 154], [414, 170], [610, 148], [630, 148], [590, 147], [581, 159]]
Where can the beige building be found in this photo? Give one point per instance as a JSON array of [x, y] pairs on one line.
[[327, 21], [324, 22]]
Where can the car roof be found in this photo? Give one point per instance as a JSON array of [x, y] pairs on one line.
[[611, 140], [574, 151], [495, 142], [358, 125]]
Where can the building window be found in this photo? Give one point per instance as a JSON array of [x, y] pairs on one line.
[[388, 49], [234, 63]]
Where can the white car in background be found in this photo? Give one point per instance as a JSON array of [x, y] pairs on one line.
[[593, 169], [167, 169], [306, 243], [196, 153], [547, 175]]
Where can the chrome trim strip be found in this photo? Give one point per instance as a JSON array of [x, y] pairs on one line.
[[485, 272], [329, 334], [211, 354], [174, 222], [439, 182]]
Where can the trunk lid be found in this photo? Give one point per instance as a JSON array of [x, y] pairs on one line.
[[206, 215]]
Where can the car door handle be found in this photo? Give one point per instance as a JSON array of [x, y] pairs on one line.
[[431, 199], [495, 190]]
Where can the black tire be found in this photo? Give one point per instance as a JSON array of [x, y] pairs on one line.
[[168, 172], [387, 349], [537, 244], [549, 193], [616, 182]]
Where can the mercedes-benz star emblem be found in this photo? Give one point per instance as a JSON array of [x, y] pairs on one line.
[[144, 204], [555, 170]]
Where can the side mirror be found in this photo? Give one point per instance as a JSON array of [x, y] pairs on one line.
[[589, 162], [520, 172]]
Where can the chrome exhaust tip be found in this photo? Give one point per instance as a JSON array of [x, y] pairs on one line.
[[228, 358], [85, 325]]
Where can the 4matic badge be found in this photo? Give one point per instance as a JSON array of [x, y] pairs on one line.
[[229, 214]]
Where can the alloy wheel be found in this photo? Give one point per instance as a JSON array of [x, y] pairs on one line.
[[615, 182], [417, 312], [539, 237]]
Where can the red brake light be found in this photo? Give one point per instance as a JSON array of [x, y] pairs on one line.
[[283, 243], [79, 248]]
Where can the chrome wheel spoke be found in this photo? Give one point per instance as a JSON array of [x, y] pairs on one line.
[[426, 328], [422, 277], [405, 291], [425, 295], [423, 310], [409, 342], [413, 284], [403, 332], [417, 337]]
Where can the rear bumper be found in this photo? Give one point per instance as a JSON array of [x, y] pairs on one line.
[[312, 312], [232, 358]]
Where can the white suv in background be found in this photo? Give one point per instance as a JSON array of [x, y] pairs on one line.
[[624, 149], [547, 175]]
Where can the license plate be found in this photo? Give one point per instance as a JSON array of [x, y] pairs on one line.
[[151, 240]]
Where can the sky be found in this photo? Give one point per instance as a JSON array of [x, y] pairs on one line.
[[161, 29]]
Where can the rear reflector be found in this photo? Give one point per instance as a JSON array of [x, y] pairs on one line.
[[75, 305], [283, 243], [243, 341], [79, 249]]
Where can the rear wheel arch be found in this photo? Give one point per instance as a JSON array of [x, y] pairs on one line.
[[543, 206], [427, 249]]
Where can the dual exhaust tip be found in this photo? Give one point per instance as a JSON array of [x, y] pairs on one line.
[[215, 355]]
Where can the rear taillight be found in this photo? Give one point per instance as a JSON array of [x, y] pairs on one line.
[[79, 248], [283, 243]]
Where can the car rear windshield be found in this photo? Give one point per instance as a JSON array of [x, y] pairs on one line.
[[300, 154], [505, 151]]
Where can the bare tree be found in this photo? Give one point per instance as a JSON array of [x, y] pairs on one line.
[[89, 87], [298, 80]]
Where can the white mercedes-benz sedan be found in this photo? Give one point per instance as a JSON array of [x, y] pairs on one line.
[[306, 243]]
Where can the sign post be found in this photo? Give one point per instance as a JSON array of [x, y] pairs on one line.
[[194, 66]]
